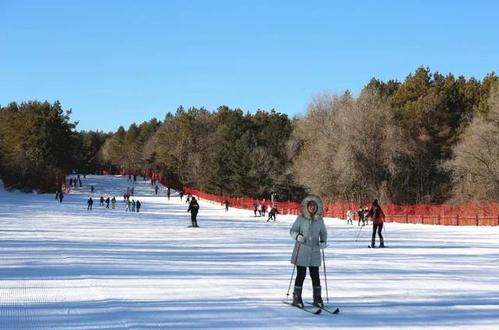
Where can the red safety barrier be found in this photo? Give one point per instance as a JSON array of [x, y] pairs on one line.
[[486, 214]]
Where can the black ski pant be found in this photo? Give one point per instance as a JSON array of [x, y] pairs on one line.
[[194, 218], [314, 274], [378, 228]]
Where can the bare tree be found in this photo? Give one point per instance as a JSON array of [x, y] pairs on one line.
[[475, 164]]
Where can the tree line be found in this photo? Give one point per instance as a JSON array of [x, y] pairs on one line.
[[432, 138]]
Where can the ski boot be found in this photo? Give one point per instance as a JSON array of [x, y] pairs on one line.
[[317, 297], [297, 301]]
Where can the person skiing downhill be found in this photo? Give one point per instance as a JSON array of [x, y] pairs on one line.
[[193, 208], [378, 217], [90, 202], [349, 216], [310, 234]]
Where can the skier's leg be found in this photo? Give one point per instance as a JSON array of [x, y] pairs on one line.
[[316, 283], [373, 239], [300, 277], [381, 240]]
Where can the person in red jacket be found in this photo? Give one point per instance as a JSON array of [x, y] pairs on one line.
[[378, 218]]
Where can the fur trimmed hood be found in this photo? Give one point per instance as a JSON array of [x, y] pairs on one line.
[[320, 206]]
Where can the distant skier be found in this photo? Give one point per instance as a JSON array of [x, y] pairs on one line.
[[272, 214], [133, 205], [255, 208], [127, 205], [310, 234], [107, 202], [188, 200], [378, 217], [138, 205], [113, 202], [57, 195], [92, 189], [193, 208], [181, 194], [101, 201], [366, 215], [264, 209], [226, 203], [156, 188], [61, 196], [349, 216], [168, 193], [90, 202], [360, 213]]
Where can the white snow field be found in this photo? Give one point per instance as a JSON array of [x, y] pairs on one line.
[[62, 267]]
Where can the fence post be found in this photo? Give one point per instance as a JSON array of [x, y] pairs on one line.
[[476, 219], [439, 219], [406, 218], [457, 220]]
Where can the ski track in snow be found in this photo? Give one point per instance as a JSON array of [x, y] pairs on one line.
[[62, 267]]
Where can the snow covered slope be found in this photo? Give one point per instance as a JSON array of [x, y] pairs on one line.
[[62, 267]]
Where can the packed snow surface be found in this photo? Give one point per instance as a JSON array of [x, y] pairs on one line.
[[62, 267]]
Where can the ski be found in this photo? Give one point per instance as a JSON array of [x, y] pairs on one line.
[[308, 310], [332, 310]]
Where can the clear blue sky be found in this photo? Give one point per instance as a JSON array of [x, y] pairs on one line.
[[118, 62]]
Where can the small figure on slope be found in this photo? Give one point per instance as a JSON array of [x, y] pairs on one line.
[[378, 217], [193, 208]]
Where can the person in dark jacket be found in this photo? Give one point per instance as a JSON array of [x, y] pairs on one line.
[[193, 208], [90, 202], [272, 214], [107, 202], [101, 201], [226, 203], [61, 196], [138, 205], [378, 218], [360, 213]]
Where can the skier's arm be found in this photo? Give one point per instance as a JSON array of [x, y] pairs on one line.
[[295, 229], [323, 233]]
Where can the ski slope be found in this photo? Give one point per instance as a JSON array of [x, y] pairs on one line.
[[62, 267]]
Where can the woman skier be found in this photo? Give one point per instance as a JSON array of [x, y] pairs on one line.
[[310, 234]]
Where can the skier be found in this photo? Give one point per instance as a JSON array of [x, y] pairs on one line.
[[188, 200], [168, 193], [255, 208], [90, 202], [156, 189], [101, 201], [264, 209], [92, 189], [226, 203], [138, 204], [107, 202], [366, 216], [360, 213], [61, 196], [272, 214], [378, 217], [310, 234], [113, 202], [57, 195], [133, 205], [193, 208], [349, 216], [181, 194], [127, 205]]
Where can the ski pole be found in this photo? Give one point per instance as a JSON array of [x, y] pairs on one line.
[[359, 234], [325, 277], [294, 267]]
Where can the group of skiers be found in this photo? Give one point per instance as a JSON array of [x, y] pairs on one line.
[[260, 210], [362, 213]]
